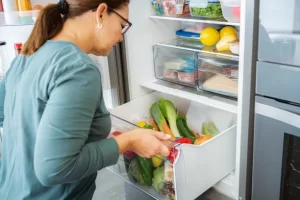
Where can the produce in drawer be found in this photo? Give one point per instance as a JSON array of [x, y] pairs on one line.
[[163, 181], [157, 160], [184, 129], [148, 125], [160, 120], [159, 179], [209, 129], [202, 139], [135, 171], [145, 165], [169, 111]]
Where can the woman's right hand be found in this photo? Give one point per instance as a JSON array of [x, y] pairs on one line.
[[144, 142]]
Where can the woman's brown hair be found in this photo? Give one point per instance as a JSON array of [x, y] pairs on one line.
[[51, 19]]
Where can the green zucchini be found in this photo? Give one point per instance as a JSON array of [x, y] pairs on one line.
[[136, 172], [146, 167], [184, 129]]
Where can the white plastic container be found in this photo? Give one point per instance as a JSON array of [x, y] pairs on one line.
[[209, 9], [231, 10]]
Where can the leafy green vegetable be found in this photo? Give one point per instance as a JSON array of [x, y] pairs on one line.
[[135, 171], [157, 115], [169, 111], [213, 10], [148, 126], [158, 179], [160, 120]]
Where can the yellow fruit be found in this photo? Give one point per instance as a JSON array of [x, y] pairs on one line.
[[227, 30], [157, 160], [209, 37], [141, 124], [224, 43]]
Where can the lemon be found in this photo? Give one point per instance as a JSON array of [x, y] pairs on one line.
[[227, 30], [209, 37], [157, 160]]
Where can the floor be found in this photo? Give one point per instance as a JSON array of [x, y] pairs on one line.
[[111, 187]]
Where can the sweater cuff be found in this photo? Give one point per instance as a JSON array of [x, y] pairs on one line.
[[110, 152]]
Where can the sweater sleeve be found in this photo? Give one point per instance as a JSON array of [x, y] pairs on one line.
[[2, 99], [62, 154]]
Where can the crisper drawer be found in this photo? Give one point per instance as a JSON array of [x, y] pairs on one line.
[[197, 167]]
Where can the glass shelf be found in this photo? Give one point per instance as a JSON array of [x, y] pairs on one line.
[[195, 19], [18, 18], [198, 47]]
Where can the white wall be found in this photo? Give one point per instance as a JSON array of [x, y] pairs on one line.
[[13, 34]]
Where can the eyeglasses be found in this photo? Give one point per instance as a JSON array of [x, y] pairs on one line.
[[127, 25]]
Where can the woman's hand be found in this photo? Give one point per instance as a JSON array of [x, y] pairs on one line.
[[144, 142]]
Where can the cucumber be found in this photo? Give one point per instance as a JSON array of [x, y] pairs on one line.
[[145, 165], [184, 129], [205, 129], [212, 128]]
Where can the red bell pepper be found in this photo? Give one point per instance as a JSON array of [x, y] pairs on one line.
[[184, 140], [174, 152], [173, 155]]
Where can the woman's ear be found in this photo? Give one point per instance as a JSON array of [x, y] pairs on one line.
[[101, 13]]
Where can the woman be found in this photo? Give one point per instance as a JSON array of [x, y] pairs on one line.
[[52, 110]]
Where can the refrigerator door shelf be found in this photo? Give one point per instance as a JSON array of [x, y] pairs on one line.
[[197, 168]]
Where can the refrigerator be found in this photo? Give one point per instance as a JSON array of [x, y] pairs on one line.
[[132, 86], [277, 103]]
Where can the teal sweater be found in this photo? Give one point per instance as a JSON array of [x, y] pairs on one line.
[[55, 126]]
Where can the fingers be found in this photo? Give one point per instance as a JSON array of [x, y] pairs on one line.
[[161, 136], [163, 150]]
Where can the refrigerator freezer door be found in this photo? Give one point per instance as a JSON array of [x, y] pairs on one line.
[[279, 31], [278, 81], [273, 122]]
